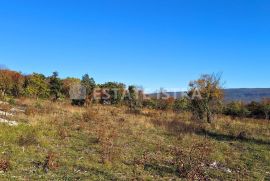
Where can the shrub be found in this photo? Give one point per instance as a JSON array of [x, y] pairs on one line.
[[63, 132], [28, 139], [12, 101], [50, 163], [89, 115], [205, 96], [181, 105], [4, 165], [149, 103], [30, 111], [236, 109], [192, 164]]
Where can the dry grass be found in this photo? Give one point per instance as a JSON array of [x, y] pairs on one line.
[[61, 142]]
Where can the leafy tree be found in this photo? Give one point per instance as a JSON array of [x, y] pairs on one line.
[[88, 83], [205, 96], [135, 99], [18, 82], [5, 82], [55, 85], [115, 92], [36, 86], [67, 85], [11, 83]]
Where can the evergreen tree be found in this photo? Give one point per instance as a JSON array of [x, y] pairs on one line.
[[89, 83], [135, 99], [55, 86]]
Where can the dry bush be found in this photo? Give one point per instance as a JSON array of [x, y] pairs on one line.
[[176, 126], [50, 163], [107, 135], [41, 108], [27, 139], [29, 111], [4, 165], [89, 115], [5, 107], [107, 139], [63, 132], [192, 164]]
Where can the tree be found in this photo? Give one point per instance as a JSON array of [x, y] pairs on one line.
[[205, 95], [55, 85], [135, 99], [36, 86], [11, 83], [67, 84], [266, 107], [5, 82], [115, 92], [88, 83], [18, 82]]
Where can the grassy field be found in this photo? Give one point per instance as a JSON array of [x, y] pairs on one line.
[[55, 141]]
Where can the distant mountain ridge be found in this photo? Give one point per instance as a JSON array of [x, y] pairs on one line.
[[246, 94], [235, 94]]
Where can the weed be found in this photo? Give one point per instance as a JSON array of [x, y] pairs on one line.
[[4, 165], [89, 115], [28, 139], [192, 164], [50, 163]]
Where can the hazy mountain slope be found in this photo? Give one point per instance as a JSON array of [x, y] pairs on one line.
[[242, 94]]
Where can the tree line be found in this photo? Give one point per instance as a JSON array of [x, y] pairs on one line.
[[204, 97]]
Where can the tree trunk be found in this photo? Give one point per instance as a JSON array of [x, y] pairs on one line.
[[266, 115], [209, 117], [208, 113]]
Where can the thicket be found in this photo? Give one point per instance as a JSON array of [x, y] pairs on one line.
[[204, 98]]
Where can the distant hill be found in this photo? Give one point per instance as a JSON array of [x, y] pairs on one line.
[[246, 94], [242, 94]]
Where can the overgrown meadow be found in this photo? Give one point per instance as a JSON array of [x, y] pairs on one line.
[[57, 141]]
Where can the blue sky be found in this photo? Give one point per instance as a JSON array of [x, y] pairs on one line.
[[152, 43]]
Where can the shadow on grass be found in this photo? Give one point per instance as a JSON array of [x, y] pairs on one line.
[[177, 127], [104, 174], [159, 169], [224, 137]]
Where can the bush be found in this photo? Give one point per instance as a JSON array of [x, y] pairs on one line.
[[89, 115], [236, 109], [4, 165], [181, 105], [12, 101], [149, 103], [28, 139], [256, 109]]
